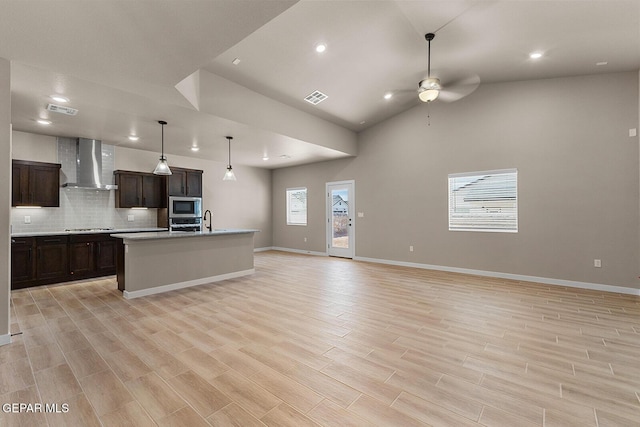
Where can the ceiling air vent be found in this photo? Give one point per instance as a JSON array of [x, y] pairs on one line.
[[62, 109], [316, 97]]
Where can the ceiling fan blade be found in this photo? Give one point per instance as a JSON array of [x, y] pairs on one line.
[[455, 90]]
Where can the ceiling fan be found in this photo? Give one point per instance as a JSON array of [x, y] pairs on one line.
[[457, 87]]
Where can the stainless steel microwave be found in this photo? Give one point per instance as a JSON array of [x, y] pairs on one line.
[[185, 207]]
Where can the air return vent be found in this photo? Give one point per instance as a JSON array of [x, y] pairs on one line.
[[62, 109], [315, 97]]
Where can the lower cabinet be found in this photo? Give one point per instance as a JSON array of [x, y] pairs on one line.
[[55, 259], [92, 255], [23, 262], [52, 260]]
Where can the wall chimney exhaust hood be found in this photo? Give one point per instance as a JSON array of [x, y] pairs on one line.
[[89, 166]]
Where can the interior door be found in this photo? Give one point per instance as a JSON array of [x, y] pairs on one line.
[[340, 219]]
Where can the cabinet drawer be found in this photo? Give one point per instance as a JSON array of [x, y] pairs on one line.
[[52, 240]]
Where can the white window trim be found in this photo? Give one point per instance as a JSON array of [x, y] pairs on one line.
[[288, 207], [479, 173]]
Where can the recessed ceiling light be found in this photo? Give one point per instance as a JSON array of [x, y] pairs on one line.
[[321, 47], [59, 98], [133, 138], [388, 95], [44, 121], [599, 64], [363, 122], [285, 156], [235, 61], [195, 148], [535, 55], [265, 157]]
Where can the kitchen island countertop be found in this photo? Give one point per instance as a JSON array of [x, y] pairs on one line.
[[180, 234]]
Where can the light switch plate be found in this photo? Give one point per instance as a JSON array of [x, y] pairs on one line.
[[27, 219], [130, 218]]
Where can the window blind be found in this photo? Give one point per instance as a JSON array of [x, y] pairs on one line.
[[296, 206], [484, 201]]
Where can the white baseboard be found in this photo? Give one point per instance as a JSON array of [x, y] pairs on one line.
[[5, 339], [262, 249], [545, 280], [187, 284], [298, 251]]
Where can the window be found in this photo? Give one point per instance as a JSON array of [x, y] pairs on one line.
[[296, 206], [484, 201]]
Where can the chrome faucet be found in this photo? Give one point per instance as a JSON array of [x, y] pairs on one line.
[[205, 219]]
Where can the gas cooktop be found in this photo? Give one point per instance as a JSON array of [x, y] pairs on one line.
[[88, 229]]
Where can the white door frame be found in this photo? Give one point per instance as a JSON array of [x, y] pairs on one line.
[[341, 252]]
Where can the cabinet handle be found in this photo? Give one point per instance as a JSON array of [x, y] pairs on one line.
[[30, 250], [144, 201], [39, 252], [13, 240], [99, 247], [52, 240]]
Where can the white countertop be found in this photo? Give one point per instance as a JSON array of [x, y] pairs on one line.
[[69, 233], [181, 234]]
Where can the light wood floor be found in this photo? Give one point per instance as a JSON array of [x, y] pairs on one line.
[[322, 341]]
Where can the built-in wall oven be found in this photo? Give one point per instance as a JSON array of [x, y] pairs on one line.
[[185, 213]]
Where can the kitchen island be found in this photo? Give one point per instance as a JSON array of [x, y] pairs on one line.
[[151, 263]]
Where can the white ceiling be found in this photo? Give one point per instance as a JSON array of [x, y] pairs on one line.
[[119, 63]]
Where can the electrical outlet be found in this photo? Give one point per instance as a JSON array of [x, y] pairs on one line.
[[27, 219], [360, 214], [411, 248], [130, 218], [305, 239], [633, 132], [597, 263]]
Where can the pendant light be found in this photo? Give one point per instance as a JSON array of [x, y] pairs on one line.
[[229, 175], [163, 167]]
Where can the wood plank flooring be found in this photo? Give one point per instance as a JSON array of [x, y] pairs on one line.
[[318, 341]]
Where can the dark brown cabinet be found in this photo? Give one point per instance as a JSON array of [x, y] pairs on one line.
[[106, 256], [23, 267], [185, 182], [92, 255], [52, 261], [139, 189], [35, 184]]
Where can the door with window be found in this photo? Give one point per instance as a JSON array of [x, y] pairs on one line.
[[340, 215]]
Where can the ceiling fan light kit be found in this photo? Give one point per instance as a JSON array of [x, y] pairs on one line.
[[429, 89]]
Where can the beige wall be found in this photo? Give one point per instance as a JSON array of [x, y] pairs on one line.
[[5, 194], [38, 148], [577, 169]]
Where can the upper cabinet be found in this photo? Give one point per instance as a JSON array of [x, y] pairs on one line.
[[185, 182], [35, 184], [139, 189]]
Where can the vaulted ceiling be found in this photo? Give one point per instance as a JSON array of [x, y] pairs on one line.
[[243, 68]]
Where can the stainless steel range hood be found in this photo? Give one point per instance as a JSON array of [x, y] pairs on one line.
[[89, 166]]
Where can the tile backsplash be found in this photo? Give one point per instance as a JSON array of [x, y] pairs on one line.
[[81, 208]]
